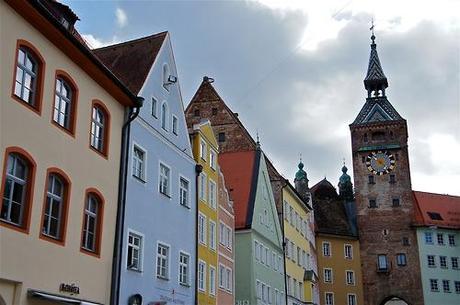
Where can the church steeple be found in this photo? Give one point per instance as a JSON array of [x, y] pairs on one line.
[[301, 183], [375, 82]]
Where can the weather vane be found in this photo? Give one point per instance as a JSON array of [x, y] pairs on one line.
[[372, 26]]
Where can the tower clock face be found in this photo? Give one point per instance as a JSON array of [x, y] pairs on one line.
[[380, 162]]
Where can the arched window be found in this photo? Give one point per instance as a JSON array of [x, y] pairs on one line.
[[16, 189], [164, 116], [99, 128], [28, 77], [92, 222], [55, 206], [65, 102], [166, 76]]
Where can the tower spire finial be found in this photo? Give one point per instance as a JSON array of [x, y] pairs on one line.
[[372, 31]]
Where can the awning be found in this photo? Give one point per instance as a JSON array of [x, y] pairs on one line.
[[57, 298]]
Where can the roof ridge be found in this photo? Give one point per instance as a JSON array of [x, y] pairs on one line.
[[456, 196], [136, 40]]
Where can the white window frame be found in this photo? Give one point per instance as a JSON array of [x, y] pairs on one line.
[[212, 235], [165, 258], [140, 250], [353, 278], [187, 191], [331, 279], [213, 159], [183, 266], [143, 177], [175, 125], [203, 186], [354, 299], [221, 276], [329, 252], [212, 280], [154, 107], [201, 286], [229, 279], [326, 300], [348, 255], [212, 196], [160, 176], [203, 150], [202, 229]]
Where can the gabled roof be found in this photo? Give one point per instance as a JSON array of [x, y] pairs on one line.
[[241, 170], [377, 110], [132, 60], [437, 210]]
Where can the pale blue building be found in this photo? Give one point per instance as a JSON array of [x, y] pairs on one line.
[[158, 250]]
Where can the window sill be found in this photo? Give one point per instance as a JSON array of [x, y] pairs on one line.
[[101, 153], [166, 195], [139, 179], [134, 270], [162, 278], [66, 130], [13, 226], [35, 109], [90, 252], [185, 206], [185, 285], [52, 239]]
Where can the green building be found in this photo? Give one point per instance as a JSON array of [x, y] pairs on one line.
[[259, 266]]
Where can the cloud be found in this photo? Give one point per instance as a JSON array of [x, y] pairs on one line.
[[95, 43], [122, 19]]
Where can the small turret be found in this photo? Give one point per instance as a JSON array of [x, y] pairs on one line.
[[345, 185], [301, 183]]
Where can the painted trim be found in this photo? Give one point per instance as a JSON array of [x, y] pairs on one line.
[[169, 195], [40, 76], [189, 191], [65, 209], [204, 275], [189, 274], [74, 103], [100, 222], [105, 149], [141, 258], [29, 191], [168, 276], [131, 156]]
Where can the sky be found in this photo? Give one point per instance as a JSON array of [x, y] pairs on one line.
[[294, 71]]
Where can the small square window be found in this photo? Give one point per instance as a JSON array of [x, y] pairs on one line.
[[405, 241], [214, 111], [372, 203], [392, 179], [401, 259], [371, 179], [221, 136], [197, 112], [396, 202]]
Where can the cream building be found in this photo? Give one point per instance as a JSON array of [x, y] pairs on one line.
[[61, 118]]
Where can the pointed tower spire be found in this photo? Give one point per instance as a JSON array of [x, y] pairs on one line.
[[375, 82], [345, 185]]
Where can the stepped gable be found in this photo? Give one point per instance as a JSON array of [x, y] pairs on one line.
[[132, 60], [330, 214], [438, 210]]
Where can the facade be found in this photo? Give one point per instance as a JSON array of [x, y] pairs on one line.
[[226, 249], [438, 239], [384, 198], [61, 121], [259, 268], [158, 259], [339, 265], [205, 151]]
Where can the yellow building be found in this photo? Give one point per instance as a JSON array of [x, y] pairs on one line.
[[205, 150], [339, 265], [297, 247]]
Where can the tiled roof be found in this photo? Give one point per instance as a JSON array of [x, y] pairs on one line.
[[240, 170], [437, 210], [131, 61], [375, 110], [375, 75]]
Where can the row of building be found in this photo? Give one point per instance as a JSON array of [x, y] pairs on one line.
[[113, 193]]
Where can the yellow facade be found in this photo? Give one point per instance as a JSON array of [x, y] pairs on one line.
[[298, 250], [339, 261], [205, 152]]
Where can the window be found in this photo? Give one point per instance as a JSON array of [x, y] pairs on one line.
[[164, 116], [139, 163], [229, 279], [429, 238], [405, 241], [134, 260], [65, 99], [431, 261], [327, 275], [396, 202], [212, 280], [165, 178], [202, 229], [329, 298], [371, 179], [434, 215], [351, 299], [201, 275], [28, 81], [174, 124], [299, 256], [326, 249], [222, 277], [214, 111], [440, 239], [454, 261], [55, 207], [372, 203], [350, 276], [443, 262], [184, 260], [258, 289], [162, 261], [382, 262], [92, 223], [446, 285], [392, 179], [196, 112], [457, 286], [183, 191], [213, 159], [99, 128], [212, 194], [348, 251], [452, 240], [212, 235], [434, 285], [18, 181], [401, 259], [203, 150], [154, 108], [221, 137], [203, 183]]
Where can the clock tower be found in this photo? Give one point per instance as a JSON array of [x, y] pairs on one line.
[[384, 199]]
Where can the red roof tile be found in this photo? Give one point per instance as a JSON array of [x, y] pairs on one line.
[[437, 210], [131, 61], [239, 171]]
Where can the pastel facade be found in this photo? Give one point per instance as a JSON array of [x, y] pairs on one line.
[[159, 244], [205, 151], [61, 122], [226, 249]]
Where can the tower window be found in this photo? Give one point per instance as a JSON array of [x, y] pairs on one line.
[[382, 263], [221, 136], [365, 137], [214, 111], [401, 259], [197, 112], [405, 241], [371, 179], [392, 179], [396, 157], [363, 159], [372, 203], [396, 202], [378, 136]]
